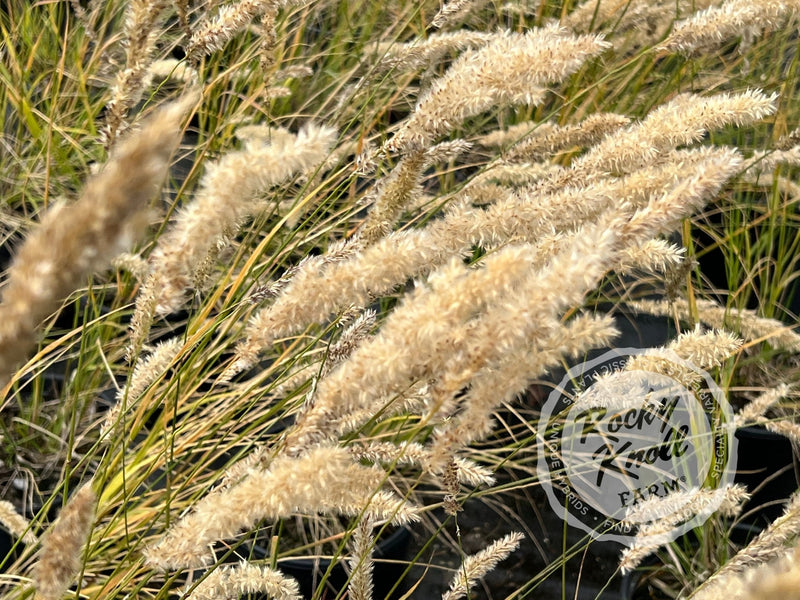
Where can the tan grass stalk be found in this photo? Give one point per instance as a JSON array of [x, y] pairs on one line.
[[705, 349], [268, 42], [73, 241], [511, 376], [224, 201], [718, 24], [61, 556], [515, 175], [701, 350], [469, 472], [784, 427], [395, 192], [768, 160], [229, 582], [661, 195], [140, 36], [512, 69], [517, 133], [273, 92], [789, 141], [399, 189], [677, 506], [444, 151], [171, 68], [635, 23], [449, 484], [413, 453], [531, 309], [783, 185], [146, 371], [355, 333], [294, 72], [657, 517], [516, 317], [594, 12], [654, 256], [182, 9], [15, 523], [421, 53], [768, 545], [454, 11], [316, 292], [753, 411], [663, 214], [212, 34], [132, 263], [324, 480], [542, 143], [477, 565], [683, 120], [779, 578], [413, 343], [362, 544], [401, 454], [749, 325], [83, 19], [626, 13]]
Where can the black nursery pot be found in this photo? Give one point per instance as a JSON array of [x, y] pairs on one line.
[[388, 568], [6, 550], [767, 465], [11, 548]]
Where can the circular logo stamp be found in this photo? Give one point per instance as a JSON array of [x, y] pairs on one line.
[[631, 427]]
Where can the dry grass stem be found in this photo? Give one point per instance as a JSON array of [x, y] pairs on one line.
[[430, 322], [477, 565], [314, 293], [657, 518], [411, 453], [142, 20], [768, 545], [512, 69], [396, 191], [232, 582], [706, 349], [74, 241], [15, 523], [225, 200], [146, 371], [543, 143], [212, 33], [746, 322], [511, 376], [422, 53], [61, 555], [683, 120], [454, 11], [362, 543], [682, 359], [324, 480], [753, 412], [654, 256], [733, 18]]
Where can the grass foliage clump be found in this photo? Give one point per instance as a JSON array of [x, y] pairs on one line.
[[270, 263]]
